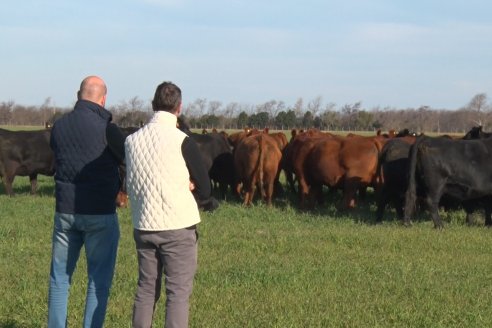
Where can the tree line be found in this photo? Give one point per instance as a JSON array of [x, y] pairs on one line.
[[277, 115]]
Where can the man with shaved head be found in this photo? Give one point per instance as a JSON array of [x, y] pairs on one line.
[[88, 150], [93, 89]]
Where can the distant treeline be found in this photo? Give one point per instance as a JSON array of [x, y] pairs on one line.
[[274, 114]]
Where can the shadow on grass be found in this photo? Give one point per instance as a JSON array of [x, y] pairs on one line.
[[20, 188], [14, 324], [364, 212]]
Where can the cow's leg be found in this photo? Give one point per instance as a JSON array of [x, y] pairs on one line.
[[349, 191], [382, 202], [33, 178], [436, 218], [252, 193], [362, 192], [399, 206], [269, 192], [249, 187], [8, 180], [247, 196], [469, 213], [303, 191], [238, 189], [316, 193], [435, 190], [290, 180], [434, 210], [488, 216]]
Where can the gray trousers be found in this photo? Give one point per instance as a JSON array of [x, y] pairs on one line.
[[174, 254]]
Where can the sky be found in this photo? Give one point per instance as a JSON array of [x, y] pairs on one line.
[[382, 53]]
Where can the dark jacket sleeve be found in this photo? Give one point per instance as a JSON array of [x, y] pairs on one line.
[[198, 175], [116, 142]]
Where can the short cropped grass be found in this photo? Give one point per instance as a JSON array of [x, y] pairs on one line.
[[272, 267]]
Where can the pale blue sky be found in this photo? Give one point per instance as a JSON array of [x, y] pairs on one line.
[[380, 52]]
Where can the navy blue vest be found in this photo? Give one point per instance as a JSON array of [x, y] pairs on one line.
[[86, 177]]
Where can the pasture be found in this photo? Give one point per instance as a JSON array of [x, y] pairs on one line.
[[273, 267]]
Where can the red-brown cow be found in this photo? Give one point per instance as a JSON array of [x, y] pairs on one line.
[[346, 163], [256, 161], [323, 166], [280, 138], [296, 153], [359, 158]]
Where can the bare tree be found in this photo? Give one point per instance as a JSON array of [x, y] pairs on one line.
[[269, 107], [299, 107], [478, 104], [201, 104], [213, 107], [314, 106], [230, 111], [6, 109]]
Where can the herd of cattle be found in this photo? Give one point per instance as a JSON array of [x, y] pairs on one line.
[[405, 170]]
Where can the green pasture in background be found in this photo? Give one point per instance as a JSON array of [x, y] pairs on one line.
[[272, 267]]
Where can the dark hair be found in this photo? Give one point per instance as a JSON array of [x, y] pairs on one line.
[[167, 97]]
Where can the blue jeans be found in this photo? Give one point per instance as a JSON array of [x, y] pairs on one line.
[[100, 234]]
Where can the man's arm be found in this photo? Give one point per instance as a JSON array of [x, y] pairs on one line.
[[198, 175], [116, 141]]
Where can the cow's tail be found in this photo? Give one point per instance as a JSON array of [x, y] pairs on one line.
[[411, 194], [261, 162], [378, 179], [379, 169]]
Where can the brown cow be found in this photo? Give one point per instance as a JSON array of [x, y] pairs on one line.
[[323, 166], [280, 138], [256, 161], [346, 163], [359, 159], [296, 153]]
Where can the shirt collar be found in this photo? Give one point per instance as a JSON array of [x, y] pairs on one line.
[[165, 118]]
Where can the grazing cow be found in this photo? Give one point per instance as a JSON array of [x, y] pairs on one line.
[[458, 169], [25, 153], [257, 161]]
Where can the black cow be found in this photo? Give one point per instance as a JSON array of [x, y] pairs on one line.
[[25, 153], [477, 133], [393, 170], [457, 169], [216, 153]]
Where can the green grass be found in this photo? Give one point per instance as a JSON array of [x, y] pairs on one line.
[[273, 267]]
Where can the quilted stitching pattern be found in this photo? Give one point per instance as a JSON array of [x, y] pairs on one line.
[[157, 177]]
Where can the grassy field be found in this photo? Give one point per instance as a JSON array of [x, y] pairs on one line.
[[273, 267]]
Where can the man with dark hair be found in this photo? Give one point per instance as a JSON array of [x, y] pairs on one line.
[[88, 149], [166, 179]]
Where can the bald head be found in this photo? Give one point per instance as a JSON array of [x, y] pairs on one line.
[[93, 89]]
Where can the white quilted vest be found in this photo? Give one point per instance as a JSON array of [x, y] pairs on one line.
[[157, 177]]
